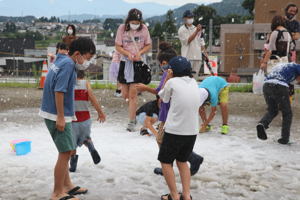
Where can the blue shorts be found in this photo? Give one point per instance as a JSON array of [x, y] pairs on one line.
[[81, 131], [142, 117]]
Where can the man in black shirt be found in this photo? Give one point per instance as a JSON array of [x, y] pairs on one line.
[[147, 115], [293, 26]]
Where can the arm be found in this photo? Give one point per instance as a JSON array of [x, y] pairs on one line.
[[122, 51], [264, 61], [92, 98], [142, 87], [149, 125], [59, 101], [193, 36], [296, 36], [211, 116]]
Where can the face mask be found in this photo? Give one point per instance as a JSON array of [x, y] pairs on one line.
[[70, 31], [83, 66], [290, 16], [165, 67], [190, 21], [134, 26]]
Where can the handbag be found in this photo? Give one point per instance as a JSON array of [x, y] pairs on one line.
[[142, 72]]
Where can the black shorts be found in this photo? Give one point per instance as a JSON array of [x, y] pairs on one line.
[[121, 76], [176, 147]]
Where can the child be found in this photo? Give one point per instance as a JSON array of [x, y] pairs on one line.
[[181, 127], [165, 55], [147, 115], [81, 128], [218, 94], [58, 111], [114, 70], [276, 93]]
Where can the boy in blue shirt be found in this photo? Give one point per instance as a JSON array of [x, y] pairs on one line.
[[58, 111], [276, 93], [218, 95]]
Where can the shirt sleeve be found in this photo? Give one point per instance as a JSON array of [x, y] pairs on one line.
[[166, 92], [161, 82], [272, 42], [183, 36], [119, 36], [63, 77]]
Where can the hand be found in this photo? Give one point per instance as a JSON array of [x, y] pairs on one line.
[[263, 66], [60, 123], [137, 57], [140, 87], [130, 57], [203, 128], [101, 117], [199, 28]]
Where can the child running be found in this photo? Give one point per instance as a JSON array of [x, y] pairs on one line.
[[182, 125], [81, 128], [165, 55], [58, 111]]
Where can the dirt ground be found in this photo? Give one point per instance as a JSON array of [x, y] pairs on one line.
[[12, 100]]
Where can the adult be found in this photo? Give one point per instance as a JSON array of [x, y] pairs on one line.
[[132, 42], [276, 93], [292, 25], [192, 44], [70, 35], [279, 44]]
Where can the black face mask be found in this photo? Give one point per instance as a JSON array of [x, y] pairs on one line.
[[290, 16]]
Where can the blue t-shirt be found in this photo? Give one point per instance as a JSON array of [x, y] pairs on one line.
[[214, 85], [61, 77], [283, 74]]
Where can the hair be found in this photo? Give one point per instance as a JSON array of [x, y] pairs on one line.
[[134, 14], [73, 28], [290, 6], [80, 74], [166, 52], [83, 45], [62, 46], [277, 21], [186, 72]]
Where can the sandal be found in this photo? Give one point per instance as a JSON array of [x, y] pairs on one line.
[[168, 196], [75, 191], [67, 197], [181, 197]]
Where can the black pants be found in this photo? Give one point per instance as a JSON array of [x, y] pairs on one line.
[[277, 96]]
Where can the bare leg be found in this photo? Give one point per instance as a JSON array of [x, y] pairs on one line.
[[224, 111], [202, 114], [132, 101], [185, 176], [170, 179]]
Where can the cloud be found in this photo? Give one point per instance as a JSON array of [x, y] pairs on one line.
[[173, 2]]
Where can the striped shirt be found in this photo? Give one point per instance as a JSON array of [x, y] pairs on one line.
[[81, 101]]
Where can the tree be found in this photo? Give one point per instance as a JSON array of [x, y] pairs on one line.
[[249, 5], [169, 25], [112, 24], [10, 27], [157, 31], [202, 15]]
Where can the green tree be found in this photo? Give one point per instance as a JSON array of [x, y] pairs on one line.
[[203, 14], [112, 24], [169, 26], [157, 31], [249, 5], [10, 27]]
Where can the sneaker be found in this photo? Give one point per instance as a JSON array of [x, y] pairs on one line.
[[73, 163], [117, 94], [144, 132], [261, 132], [209, 127], [195, 161], [96, 157], [283, 141], [131, 126], [158, 171], [224, 129]]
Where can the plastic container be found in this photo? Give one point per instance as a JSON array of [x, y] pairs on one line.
[[21, 147]]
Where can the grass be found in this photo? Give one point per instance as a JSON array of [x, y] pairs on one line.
[[45, 43], [18, 85]]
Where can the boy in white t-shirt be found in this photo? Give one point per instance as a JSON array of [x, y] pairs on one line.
[[181, 126]]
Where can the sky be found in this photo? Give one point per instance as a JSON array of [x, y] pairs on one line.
[[97, 7]]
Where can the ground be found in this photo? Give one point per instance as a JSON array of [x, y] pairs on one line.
[[236, 166]]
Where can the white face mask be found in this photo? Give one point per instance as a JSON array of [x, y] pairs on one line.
[[134, 26], [70, 31], [190, 21], [86, 64]]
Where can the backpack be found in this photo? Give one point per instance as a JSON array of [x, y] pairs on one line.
[[282, 47]]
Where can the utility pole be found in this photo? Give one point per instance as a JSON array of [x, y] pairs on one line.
[[210, 36]]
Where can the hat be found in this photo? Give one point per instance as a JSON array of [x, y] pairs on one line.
[[135, 14], [180, 65], [188, 14]]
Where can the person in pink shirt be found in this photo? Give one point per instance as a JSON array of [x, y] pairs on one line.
[[132, 42]]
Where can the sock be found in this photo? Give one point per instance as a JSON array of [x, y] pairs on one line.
[[90, 145]]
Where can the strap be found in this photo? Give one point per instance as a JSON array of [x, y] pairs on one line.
[[135, 44]]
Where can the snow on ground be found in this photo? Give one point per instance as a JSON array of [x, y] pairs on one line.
[[236, 166]]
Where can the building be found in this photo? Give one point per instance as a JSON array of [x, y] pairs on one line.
[[242, 44]]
